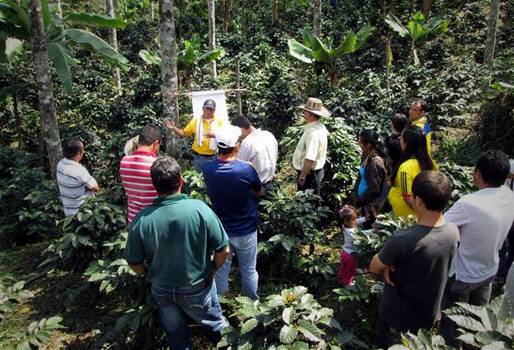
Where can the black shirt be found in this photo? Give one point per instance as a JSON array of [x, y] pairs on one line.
[[421, 256]]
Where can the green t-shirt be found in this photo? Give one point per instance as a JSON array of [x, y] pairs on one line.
[[176, 237]]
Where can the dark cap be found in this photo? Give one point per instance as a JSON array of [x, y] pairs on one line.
[[209, 104]]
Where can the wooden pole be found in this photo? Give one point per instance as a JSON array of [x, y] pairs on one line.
[[238, 90]]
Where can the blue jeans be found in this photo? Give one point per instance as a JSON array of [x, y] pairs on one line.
[[246, 249], [200, 160], [199, 303]]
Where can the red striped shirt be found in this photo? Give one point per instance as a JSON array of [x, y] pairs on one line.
[[135, 176]]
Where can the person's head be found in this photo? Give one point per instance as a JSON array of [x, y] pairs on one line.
[[348, 216], [313, 110], [398, 122], [431, 191], [417, 109], [150, 138], [227, 139], [244, 124], [491, 169], [166, 177], [368, 140], [414, 146], [209, 107], [73, 148]]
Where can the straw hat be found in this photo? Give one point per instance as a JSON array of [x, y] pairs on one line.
[[315, 106]]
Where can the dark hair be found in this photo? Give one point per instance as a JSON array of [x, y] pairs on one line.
[[422, 103], [434, 188], [72, 147], [242, 122], [399, 121], [416, 147], [165, 173], [149, 134], [224, 150], [494, 167], [371, 137], [347, 213]]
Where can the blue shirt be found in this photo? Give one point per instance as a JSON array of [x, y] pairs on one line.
[[363, 184], [231, 186]]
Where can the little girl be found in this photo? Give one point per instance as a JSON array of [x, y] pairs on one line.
[[348, 265]]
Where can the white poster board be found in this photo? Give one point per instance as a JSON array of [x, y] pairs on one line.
[[199, 97]]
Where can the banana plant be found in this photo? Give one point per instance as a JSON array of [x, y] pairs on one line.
[[15, 24], [323, 55], [418, 30], [189, 58]]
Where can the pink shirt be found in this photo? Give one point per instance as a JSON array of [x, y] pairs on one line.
[[135, 176]]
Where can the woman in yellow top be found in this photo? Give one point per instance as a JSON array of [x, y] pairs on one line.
[[414, 160]]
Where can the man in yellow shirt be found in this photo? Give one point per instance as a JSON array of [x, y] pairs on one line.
[[419, 119], [203, 129]]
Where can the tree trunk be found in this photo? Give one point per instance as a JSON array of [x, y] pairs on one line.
[[492, 23], [151, 10], [316, 23], [427, 7], [50, 128], [274, 11], [113, 38], [58, 6], [168, 67], [226, 7], [212, 34]]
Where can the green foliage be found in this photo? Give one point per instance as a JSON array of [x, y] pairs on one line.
[[28, 200], [38, 333], [322, 53], [292, 319], [489, 326], [12, 295], [418, 29], [365, 289], [424, 340], [461, 177], [85, 233]]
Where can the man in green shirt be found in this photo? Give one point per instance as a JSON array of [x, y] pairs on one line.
[[171, 242]]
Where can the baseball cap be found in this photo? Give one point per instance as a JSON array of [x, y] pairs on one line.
[[228, 136], [209, 104]]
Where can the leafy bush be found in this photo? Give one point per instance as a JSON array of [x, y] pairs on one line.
[[292, 319], [11, 296], [85, 233], [35, 336], [490, 326]]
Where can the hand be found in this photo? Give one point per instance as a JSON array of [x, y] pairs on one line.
[[387, 276], [209, 134], [301, 181], [169, 123]]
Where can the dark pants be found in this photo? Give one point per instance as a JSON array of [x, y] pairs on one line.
[[312, 181], [387, 336], [456, 291], [199, 303]]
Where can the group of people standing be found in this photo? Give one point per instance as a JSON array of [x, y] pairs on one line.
[[185, 247]]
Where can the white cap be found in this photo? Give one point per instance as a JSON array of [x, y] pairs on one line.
[[228, 136]]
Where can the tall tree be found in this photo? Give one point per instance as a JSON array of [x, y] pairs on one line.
[[168, 63], [274, 11], [151, 9], [113, 38], [226, 6], [316, 23], [49, 125], [212, 34], [492, 24], [426, 7]]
